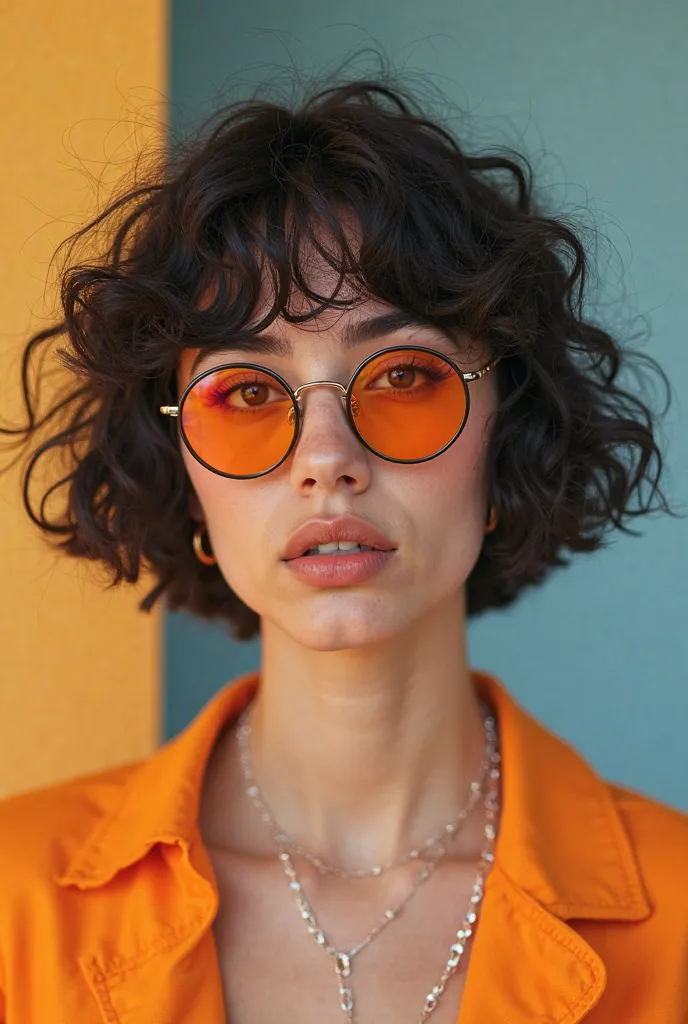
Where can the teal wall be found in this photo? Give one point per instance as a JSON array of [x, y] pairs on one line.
[[597, 93]]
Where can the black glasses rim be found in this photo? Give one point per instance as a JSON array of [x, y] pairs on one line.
[[298, 415]]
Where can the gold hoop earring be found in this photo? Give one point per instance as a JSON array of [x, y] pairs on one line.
[[198, 547], [492, 521]]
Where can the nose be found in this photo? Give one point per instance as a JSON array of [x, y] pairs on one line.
[[328, 456]]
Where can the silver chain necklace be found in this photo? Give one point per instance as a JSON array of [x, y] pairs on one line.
[[488, 782], [449, 830]]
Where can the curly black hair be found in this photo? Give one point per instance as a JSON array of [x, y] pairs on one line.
[[454, 238]]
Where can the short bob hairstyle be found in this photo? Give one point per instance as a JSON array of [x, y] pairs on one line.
[[454, 238]]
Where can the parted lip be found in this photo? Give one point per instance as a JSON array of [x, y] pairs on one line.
[[326, 531]]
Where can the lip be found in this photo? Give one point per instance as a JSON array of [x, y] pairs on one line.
[[326, 531], [343, 570]]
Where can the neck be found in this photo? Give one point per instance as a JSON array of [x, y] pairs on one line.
[[362, 754]]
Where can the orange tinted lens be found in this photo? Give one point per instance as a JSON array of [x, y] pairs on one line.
[[408, 404], [237, 420]]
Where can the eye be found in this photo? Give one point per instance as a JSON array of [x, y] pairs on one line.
[[402, 376], [241, 391], [250, 395], [407, 374]]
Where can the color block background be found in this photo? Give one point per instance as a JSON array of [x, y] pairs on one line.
[[597, 93], [79, 668]]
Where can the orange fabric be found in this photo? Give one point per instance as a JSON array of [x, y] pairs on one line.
[[107, 895]]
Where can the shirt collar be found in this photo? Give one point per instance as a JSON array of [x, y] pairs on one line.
[[561, 838]]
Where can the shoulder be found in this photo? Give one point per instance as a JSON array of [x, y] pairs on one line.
[[42, 828], [659, 833], [658, 836], [40, 831]]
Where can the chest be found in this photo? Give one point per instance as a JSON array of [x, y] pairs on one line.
[[272, 968]]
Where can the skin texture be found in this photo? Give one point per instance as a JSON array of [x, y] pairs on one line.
[[366, 729]]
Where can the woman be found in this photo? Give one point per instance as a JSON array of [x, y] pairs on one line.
[[334, 382]]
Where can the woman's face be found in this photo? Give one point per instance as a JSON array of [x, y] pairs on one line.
[[433, 512]]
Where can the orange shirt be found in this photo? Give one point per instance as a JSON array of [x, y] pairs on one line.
[[107, 895]]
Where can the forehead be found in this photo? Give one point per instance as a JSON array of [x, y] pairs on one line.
[[318, 312], [346, 329], [321, 300]]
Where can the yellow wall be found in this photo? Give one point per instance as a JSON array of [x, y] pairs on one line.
[[79, 668]]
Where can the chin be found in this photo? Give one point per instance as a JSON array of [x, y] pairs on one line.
[[344, 629]]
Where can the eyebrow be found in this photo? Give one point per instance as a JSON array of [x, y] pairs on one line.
[[353, 334]]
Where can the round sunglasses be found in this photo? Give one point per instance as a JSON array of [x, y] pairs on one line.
[[405, 404]]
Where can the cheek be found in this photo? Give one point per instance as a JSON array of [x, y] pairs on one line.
[[223, 502], [236, 513], [457, 479], [447, 499], [220, 501], [452, 504]]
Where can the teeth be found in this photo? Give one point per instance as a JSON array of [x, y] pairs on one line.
[[333, 547]]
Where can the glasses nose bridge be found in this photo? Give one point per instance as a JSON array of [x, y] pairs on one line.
[[320, 384], [343, 392]]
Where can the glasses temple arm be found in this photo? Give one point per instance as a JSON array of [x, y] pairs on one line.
[[477, 374]]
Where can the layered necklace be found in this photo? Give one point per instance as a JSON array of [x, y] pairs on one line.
[[429, 855]]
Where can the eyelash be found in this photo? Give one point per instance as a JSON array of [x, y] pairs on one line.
[[220, 392], [415, 363]]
